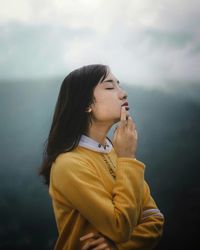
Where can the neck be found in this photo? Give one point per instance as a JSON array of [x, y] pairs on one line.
[[98, 132]]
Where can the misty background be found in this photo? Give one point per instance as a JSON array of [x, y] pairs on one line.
[[153, 48]]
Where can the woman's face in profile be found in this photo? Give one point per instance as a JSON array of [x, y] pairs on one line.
[[109, 97]]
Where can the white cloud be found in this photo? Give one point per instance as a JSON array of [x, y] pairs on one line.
[[148, 42], [15, 11]]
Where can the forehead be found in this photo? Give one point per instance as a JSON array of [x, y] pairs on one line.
[[110, 78]]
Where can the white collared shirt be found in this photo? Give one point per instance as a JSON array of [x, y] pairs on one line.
[[90, 143]]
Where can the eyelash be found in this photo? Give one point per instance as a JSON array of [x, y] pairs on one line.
[[109, 88]]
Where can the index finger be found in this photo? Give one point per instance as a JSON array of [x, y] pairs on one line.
[[130, 123], [123, 115]]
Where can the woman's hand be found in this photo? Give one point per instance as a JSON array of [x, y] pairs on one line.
[[97, 241], [125, 136]]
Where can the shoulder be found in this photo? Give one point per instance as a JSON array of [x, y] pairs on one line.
[[68, 159], [71, 168], [76, 160]]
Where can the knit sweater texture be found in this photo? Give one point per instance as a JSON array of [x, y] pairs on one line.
[[96, 191]]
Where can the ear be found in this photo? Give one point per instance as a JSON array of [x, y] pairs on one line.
[[88, 110]]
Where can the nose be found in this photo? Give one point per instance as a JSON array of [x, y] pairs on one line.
[[123, 95]]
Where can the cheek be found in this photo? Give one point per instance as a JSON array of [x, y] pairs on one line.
[[107, 105], [106, 110]]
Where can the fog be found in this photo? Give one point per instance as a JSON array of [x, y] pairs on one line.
[[168, 144], [153, 48]]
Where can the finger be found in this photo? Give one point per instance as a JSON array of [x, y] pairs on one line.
[[93, 243], [86, 246], [88, 236], [123, 117], [103, 246], [136, 134], [123, 114], [96, 235], [130, 123]]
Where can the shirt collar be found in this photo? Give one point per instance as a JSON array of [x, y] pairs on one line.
[[90, 143]]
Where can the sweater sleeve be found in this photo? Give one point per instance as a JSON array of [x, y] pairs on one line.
[[148, 232], [113, 214]]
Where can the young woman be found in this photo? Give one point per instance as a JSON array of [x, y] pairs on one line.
[[99, 195]]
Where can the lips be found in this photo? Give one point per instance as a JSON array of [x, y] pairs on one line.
[[126, 105]]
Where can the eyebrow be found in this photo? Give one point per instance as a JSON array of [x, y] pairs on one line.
[[110, 80]]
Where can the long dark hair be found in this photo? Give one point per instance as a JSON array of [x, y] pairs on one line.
[[70, 119]]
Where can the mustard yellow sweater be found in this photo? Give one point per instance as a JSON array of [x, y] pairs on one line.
[[87, 198]]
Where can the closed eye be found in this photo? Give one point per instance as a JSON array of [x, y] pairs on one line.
[[109, 88]]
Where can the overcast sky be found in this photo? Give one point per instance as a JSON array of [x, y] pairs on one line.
[[147, 42]]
